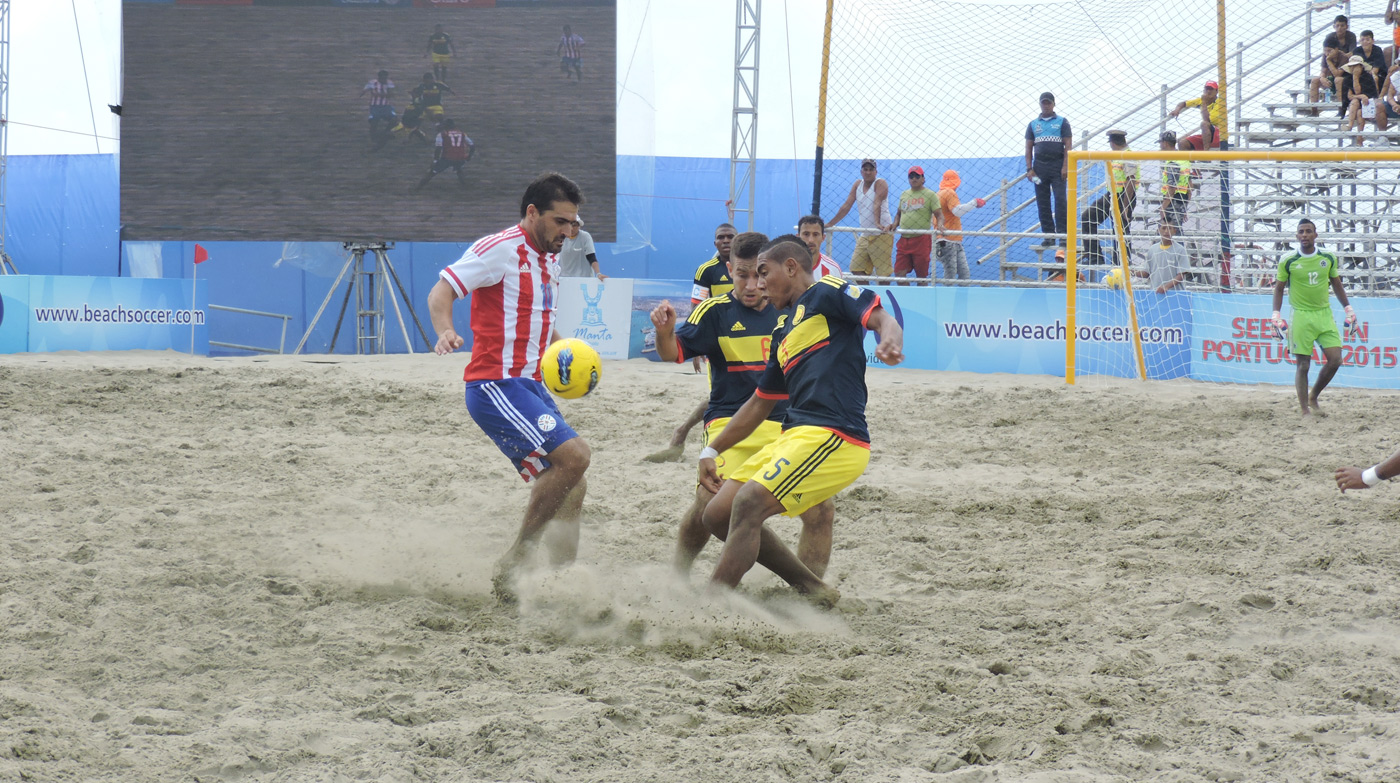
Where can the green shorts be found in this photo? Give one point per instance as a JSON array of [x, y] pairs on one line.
[[1313, 326]]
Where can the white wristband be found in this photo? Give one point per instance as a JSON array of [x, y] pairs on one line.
[[708, 453], [1349, 310], [1370, 477], [1277, 315]]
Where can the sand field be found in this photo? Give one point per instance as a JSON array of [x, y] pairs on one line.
[[277, 569]]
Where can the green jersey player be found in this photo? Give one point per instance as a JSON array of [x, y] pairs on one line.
[[1308, 274]]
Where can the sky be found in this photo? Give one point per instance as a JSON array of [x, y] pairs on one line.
[[675, 71]]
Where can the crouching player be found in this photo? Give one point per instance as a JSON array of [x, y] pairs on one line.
[[733, 331], [816, 363]]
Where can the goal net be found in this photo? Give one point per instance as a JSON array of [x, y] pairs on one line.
[[1195, 300]]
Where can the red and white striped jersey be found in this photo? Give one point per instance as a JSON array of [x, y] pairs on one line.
[[571, 46], [454, 144], [825, 266], [379, 92], [514, 287]]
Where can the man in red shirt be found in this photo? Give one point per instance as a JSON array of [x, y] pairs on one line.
[[451, 150], [513, 279]]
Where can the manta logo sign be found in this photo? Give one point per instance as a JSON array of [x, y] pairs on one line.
[[592, 327]]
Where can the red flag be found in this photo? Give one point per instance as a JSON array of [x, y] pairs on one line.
[[200, 254]]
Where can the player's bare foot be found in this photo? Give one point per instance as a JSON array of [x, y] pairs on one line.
[[505, 575], [678, 436], [672, 453], [825, 596]]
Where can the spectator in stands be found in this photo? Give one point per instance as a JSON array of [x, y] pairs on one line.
[[1372, 54], [918, 211], [950, 246], [1361, 96], [1167, 262], [1125, 177], [1391, 92], [1176, 184], [1212, 118], [1048, 141], [1336, 48], [871, 196], [578, 257], [1392, 16]]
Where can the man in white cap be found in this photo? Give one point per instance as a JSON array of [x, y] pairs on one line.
[[577, 258]]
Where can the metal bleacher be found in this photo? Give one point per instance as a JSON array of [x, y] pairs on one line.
[[1356, 206]]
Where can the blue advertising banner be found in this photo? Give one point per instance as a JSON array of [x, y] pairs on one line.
[[14, 313], [1023, 330], [1019, 330], [1235, 344], [116, 314], [915, 310]]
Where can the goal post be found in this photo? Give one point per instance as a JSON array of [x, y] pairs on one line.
[[1117, 328]]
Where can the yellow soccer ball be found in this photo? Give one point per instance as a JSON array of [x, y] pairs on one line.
[[1114, 279], [571, 368]]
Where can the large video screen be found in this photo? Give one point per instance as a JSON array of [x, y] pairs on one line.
[[364, 120]]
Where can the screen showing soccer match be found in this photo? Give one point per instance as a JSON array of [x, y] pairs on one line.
[[362, 120]]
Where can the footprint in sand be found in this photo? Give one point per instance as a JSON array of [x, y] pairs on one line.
[[1257, 601]]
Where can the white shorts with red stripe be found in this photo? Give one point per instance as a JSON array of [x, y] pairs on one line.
[[520, 416]]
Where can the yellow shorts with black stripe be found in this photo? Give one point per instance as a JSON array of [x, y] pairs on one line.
[[805, 466], [441, 59], [433, 111], [735, 456]]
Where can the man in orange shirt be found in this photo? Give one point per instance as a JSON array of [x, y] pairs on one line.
[[950, 247]]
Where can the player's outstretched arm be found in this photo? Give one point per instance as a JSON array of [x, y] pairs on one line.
[[890, 350], [440, 301], [1356, 478], [663, 317], [740, 426]]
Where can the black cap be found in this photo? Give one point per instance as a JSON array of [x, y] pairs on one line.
[[1047, 96], [1118, 134], [1167, 136]]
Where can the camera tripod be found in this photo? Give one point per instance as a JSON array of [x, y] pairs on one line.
[[368, 286]]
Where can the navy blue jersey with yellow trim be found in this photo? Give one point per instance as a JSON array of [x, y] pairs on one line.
[[425, 94], [736, 340], [817, 359], [711, 280], [441, 43]]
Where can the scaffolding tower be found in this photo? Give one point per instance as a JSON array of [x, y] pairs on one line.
[[743, 140]]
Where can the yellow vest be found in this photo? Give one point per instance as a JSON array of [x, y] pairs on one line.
[[1181, 183]]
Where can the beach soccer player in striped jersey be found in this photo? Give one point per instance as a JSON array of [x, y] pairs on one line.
[[812, 230], [733, 332], [816, 363], [513, 277], [570, 52], [1308, 274], [381, 113]]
